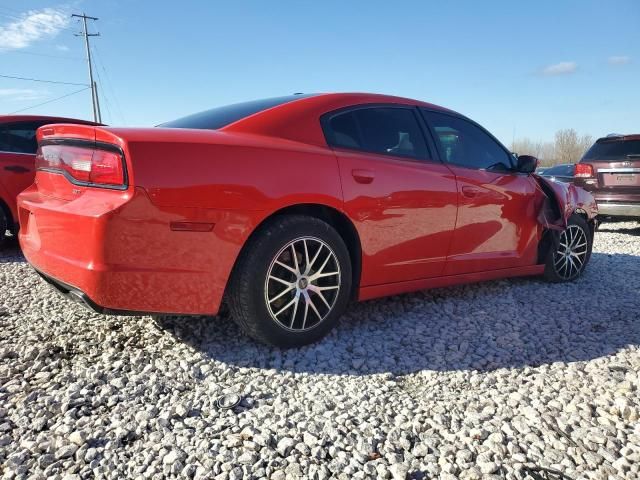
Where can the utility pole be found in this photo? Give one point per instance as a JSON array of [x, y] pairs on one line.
[[94, 90]]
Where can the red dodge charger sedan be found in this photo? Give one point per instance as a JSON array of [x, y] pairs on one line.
[[287, 208], [17, 161]]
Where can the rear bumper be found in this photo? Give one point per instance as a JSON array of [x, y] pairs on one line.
[[115, 252], [615, 209], [78, 296]]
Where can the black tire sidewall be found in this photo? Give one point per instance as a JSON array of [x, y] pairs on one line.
[[550, 271], [248, 302]]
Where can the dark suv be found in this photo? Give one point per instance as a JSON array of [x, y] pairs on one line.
[[610, 170]]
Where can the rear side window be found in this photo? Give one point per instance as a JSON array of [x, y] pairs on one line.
[[614, 150], [465, 144], [19, 137], [383, 130], [222, 116]]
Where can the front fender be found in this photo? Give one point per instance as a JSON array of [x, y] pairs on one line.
[[562, 201]]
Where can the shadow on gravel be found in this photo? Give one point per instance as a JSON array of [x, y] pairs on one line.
[[10, 251], [610, 228], [501, 324]]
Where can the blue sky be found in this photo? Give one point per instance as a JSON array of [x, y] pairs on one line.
[[527, 68]]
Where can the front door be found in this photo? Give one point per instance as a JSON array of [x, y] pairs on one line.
[[497, 223]]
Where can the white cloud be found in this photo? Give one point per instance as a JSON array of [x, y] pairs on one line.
[[32, 26], [21, 94], [62, 48], [562, 68], [619, 60]]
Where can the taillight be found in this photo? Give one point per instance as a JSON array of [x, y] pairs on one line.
[[584, 170], [82, 165]]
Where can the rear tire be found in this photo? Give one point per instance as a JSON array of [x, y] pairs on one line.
[[567, 259], [292, 282]]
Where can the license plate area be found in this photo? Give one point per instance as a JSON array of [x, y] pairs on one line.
[[620, 179]]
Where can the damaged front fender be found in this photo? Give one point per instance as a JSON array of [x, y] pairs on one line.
[[560, 201]]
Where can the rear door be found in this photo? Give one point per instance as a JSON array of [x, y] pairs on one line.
[[18, 147], [402, 200], [497, 207]]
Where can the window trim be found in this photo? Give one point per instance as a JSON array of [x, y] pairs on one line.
[[326, 118], [472, 122]]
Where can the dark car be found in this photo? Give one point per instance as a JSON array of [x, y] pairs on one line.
[[18, 147], [559, 173], [611, 171]]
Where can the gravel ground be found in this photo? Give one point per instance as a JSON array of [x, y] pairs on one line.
[[496, 380]]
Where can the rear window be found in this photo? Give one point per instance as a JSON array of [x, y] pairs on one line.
[[614, 150], [222, 116]]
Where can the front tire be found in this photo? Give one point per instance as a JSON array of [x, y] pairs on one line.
[[292, 282], [568, 258]]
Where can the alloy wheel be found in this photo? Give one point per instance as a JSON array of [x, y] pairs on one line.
[[303, 283], [572, 252]]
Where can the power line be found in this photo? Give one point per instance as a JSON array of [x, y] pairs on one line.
[[49, 101], [108, 83], [44, 55], [104, 92], [104, 96], [44, 81], [94, 90]]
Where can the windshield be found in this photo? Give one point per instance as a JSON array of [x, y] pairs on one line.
[[222, 116]]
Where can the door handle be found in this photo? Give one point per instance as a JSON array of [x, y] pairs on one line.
[[471, 192], [17, 169], [363, 176]]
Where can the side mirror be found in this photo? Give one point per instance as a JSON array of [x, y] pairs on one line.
[[527, 164]]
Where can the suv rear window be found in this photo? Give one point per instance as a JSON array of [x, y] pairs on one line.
[[614, 150], [222, 116]]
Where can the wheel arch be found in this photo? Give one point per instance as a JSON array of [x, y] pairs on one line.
[[547, 241], [334, 217]]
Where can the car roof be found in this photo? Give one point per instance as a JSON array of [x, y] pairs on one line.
[[46, 118], [298, 119], [619, 138]]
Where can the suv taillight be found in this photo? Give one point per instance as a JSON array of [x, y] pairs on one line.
[[584, 170], [82, 165]]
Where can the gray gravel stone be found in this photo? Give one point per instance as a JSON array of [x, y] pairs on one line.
[[467, 382]]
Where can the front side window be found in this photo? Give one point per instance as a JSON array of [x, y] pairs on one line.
[[19, 138], [465, 144], [383, 130]]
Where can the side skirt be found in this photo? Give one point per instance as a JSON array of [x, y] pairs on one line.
[[376, 291]]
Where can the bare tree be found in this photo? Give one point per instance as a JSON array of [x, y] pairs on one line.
[[569, 146], [543, 151]]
